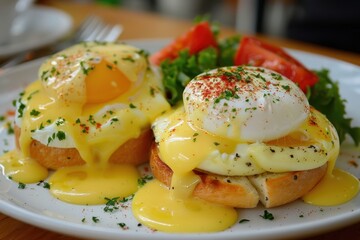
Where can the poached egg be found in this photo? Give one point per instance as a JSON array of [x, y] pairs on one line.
[[92, 97]]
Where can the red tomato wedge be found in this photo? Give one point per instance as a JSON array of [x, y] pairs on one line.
[[196, 39], [255, 52]]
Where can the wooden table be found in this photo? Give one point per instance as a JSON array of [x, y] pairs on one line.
[[144, 25]]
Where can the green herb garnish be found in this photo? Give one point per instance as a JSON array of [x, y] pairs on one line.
[[34, 113], [21, 185], [267, 215], [111, 204], [142, 181], [95, 219], [325, 97]]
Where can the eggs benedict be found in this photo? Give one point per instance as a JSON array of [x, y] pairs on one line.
[[244, 135], [88, 116]]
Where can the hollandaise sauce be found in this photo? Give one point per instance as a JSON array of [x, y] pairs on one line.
[[22, 169], [90, 185], [159, 208], [170, 208], [337, 187]]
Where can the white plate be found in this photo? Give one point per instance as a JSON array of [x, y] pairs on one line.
[[37, 27], [34, 204]]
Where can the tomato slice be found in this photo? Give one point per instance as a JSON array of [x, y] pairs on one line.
[[255, 52], [196, 39]]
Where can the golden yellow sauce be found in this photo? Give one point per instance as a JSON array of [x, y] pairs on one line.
[[169, 210], [22, 169], [335, 188], [307, 148], [338, 186], [183, 184], [155, 206], [92, 184]]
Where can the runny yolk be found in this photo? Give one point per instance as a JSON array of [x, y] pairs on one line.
[[290, 140], [105, 82]]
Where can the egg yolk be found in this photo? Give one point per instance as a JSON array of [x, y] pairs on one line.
[[292, 140], [105, 82]]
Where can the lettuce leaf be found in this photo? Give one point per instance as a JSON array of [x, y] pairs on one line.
[[178, 72], [325, 97]]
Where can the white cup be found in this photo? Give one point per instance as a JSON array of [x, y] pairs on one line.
[[9, 11]]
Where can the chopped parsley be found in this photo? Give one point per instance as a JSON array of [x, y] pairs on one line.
[[10, 129], [253, 108], [126, 199], [143, 53], [244, 220], [20, 109], [60, 121], [194, 136], [111, 204], [34, 113], [32, 94], [95, 219], [85, 68], [60, 135], [21, 185], [108, 112], [286, 87], [131, 105], [123, 225], [44, 184], [142, 181], [267, 215], [44, 75], [91, 120], [113, 120], [227, 94], [276, 76]]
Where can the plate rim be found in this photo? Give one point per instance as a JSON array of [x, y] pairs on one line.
[[69, 228], [10, 49]]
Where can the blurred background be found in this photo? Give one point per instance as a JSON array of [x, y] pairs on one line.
[[331, 23]]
